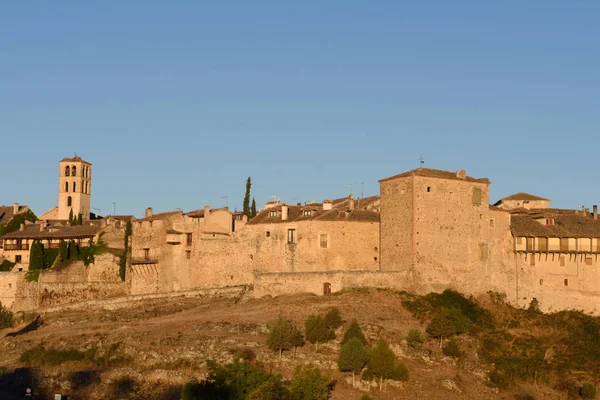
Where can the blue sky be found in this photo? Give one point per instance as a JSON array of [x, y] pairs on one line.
[[176, 103]]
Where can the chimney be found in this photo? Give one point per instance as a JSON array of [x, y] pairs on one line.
[[461, 174], [595, 208], [22, 227], [148, 213], [312, 202], [206, 211], [15, 208], [42, 226], [284, 212], [351, 202], [327, 205]]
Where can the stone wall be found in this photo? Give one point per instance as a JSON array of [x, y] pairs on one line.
[[16, 293]]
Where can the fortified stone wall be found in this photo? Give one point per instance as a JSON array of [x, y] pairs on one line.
[[397, 233]]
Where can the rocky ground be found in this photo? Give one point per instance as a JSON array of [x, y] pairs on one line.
[[148, 349]]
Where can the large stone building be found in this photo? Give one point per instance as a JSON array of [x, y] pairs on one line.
[[427, 230]]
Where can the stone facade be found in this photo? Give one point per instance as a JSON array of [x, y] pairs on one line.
[[74, 188]]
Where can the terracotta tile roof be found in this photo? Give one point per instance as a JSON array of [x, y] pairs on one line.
[[296, 214], [75, 159], [199, 213], [435, 173], [522, 196], [160, 216], [494, 208], [7, 213], [56, 231], [565, 225], [120, 217], [366, 203]]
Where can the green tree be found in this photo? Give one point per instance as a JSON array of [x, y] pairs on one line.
[[588, 391], [36, 256], [80, 219], [123, 256], [63, 250], [297, 340], [441, 326], [273, 389], [253, 209], [353, 357], [415, 338], [333, 318], [382, 362], [71, 220], [282, 336], [7, 319], [309, 384], [246, 203], [316, 330], [354, 331]]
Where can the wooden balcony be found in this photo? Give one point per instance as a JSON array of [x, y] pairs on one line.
[[16, 246]]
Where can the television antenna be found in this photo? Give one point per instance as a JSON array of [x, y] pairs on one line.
[[421, 161], [114, 203]]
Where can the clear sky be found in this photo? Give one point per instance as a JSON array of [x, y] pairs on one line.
[[176, 103]]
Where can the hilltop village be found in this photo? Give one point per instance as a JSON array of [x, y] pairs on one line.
[[427, 230]]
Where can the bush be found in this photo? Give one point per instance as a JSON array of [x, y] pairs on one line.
[[588, 391], [415, 338], [382, 365], [7, 318], [309, 384], [333, 318], [451, 349], [499, 379], [6, 265], [245, 354], [400, 372], [283, 336], [353, 357], [354, 331], [42, 356]]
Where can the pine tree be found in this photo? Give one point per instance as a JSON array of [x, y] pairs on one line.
[[353, 357], [316, 330], [246, 204], [253, 209], [333, 318], [281, 337], [36, 256], [382, 362], [297, 340], [442, 326], [354, 331]]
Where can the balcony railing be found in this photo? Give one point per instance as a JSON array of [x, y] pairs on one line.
[[16, 247]]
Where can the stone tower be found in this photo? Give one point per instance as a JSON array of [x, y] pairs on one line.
[[74, 188]]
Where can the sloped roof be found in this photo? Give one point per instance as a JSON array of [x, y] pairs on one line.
[[435, 173], [160, 216], [296, 214], [75, 159], [522, 196], [574, 225], [57, 231], [7, 213]]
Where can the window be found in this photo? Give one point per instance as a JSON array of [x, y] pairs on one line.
[[543, 244], [67, 171], [188, 239], [476, 196], [307, 213], [146, 254], [428, 189], [530, 244], [327, 288], [75, 187], [188, 254], [519, 240], [272, 213], [563, 261], [74, 171], [566, 282], [18, 259], [491, 223], [291, 236], [69, 201], [541, 282], [324, 240], [564, 244], [66, 186], [268, 234], [549, 221], [532, 260]]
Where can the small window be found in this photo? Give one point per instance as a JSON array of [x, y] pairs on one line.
[[564, 244], [476, 196], [327, 288], [541, 282], [519, 240], [549, 221], [74, 171], [272, 213], [291, 236], [69, 201], [428, 189], [566, 282], [18, 259], [563, 261], [188, 254], [323, 240], [74, 186], [491, 223], [66, 186], [268, 234], [530, 244], [532, 260], [150, 224], [188, 239], [67, 171], [542, 244], [307, 213], [146, 254]]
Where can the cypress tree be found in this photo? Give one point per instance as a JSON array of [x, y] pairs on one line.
[[354, 331], [353, 357], [246, 204], [63, 250], [80, 219], [253, 209], [71, 221], [36, 256], [281, 336]]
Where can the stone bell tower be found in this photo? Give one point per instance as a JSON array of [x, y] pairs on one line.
[[74, 188]]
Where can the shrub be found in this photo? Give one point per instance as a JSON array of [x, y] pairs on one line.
[[316, 330], [7, 318], [41, 356], [273, 389], [354, 331], [333, 318], [499, 379], [309, 384], [451, 349], [246, 354], [400, 372], [6, 265], [415, 338], [36, 256], [588, 391], [353, 357], [382, 363], [534, 306]]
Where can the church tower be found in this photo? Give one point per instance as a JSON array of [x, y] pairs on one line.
[[74, 188]]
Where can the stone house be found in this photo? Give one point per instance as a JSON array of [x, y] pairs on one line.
[[522, 200]]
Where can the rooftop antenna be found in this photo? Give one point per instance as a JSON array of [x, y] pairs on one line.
[[114, 207], [274, 198], [349, 189], [75, 153], [97, 209], [421, 161]]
